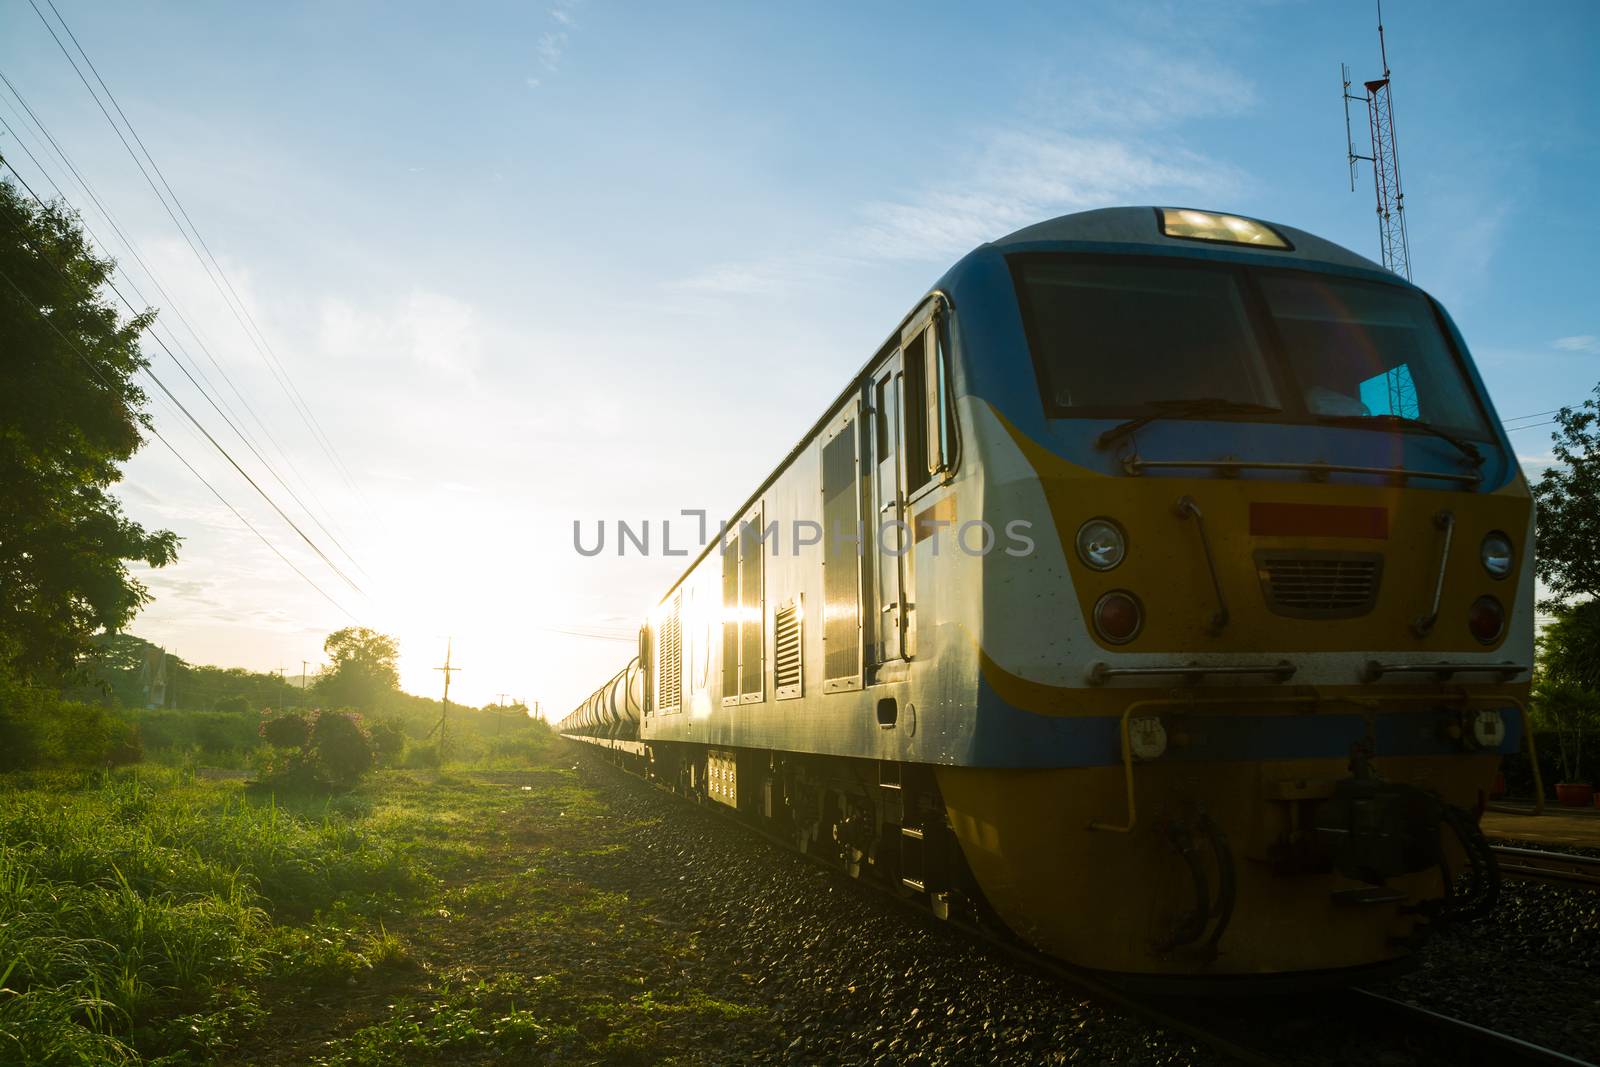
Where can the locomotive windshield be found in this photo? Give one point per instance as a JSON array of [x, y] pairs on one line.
[[1116, 337]]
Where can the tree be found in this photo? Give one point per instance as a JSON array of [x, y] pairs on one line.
[[1568, 498], [1567, 695], [1569, 648], [70, 416], [361, 670]]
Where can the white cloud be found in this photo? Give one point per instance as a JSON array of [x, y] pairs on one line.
[[1585, 342], [1140, 86], [1015, 177], [1023, 176], [432, 330], [551, 46], [1087, 147], [552, 43], [749, 277]]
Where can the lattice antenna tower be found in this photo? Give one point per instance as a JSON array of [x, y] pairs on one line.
[[1385, 160]]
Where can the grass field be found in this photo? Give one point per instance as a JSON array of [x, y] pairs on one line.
[[159, 916]]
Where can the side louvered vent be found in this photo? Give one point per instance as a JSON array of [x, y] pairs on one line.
[[669, 659], [787, 669], [1320, 585]]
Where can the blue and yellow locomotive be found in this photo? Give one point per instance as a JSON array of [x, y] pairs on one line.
[[1161, 586]]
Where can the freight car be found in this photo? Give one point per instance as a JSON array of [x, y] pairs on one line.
[[1161, 585]]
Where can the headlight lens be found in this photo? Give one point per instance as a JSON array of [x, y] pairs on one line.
[[1101, 544], [1497, 554]]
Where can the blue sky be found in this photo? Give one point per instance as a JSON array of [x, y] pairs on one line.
[[538, 263]]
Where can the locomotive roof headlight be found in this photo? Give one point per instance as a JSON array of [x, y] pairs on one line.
[[1488, 728], [1118, 617], [1214, 226], [1497, 554], [1101, 544], [1147, 737], [1486, 619]]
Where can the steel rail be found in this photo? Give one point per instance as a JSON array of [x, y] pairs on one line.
[[1489, 1046], [1559, 868]]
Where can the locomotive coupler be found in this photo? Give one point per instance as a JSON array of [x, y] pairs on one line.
[[1374, 830]]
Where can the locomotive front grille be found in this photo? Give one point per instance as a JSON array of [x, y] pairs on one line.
[[1319, 585]]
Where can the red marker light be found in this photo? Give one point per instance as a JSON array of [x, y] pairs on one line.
[[1486, 619], [1118, 617]]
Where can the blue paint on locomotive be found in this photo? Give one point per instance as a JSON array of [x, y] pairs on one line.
[[1008, 736]]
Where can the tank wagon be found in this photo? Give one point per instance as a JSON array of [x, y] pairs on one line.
[[1161, 585]]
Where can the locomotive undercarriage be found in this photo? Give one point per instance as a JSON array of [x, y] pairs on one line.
[[878, 820], [890, 823]]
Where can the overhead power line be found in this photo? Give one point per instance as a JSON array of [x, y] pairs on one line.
[[201, 427], [1535, 415], [218, 277], [132, 310], [592, 635], [169, 303], [96, 371]]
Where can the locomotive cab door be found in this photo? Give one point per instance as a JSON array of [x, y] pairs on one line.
[[888, 534]]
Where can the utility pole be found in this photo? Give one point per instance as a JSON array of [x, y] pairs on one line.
[[303, 664], [444, 715], [500, 713]]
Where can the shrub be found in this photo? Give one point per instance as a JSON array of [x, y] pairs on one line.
[[388, 741], [236, 705], [341, 747], [39, 729], [287, 731], [422, 756], [521, 748]]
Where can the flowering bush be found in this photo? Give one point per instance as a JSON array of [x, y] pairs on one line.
[[285, 731], [323, 748], [341, 746]]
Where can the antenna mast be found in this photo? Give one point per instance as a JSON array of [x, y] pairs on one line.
[[1385, 160]]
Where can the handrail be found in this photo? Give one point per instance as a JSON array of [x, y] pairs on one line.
[[1136, 466], [1445, 521], [1187, 508], [1506, 669], [1127, 769], [1280, 671]]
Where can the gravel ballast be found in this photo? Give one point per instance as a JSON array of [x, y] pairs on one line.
[[848, 977]]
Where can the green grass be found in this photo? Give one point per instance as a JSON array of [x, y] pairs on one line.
[[152, 916], [140, 911]]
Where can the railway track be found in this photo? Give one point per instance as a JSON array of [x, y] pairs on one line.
[[1481, 1045], [1247, 1030], [1559, 868]]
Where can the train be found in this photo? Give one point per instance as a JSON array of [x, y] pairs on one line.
[[1160, 590]]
